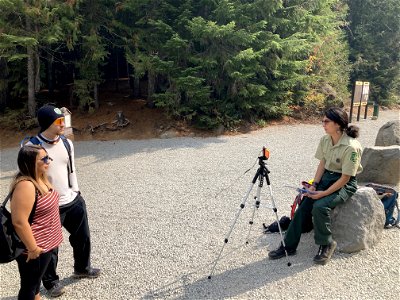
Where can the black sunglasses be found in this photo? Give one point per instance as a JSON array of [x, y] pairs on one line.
[[46, 159]]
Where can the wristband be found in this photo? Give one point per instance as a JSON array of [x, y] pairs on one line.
[[315, 184]]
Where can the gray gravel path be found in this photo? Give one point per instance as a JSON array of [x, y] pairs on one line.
[[159, 211]]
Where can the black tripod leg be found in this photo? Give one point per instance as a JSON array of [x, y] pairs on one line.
[[257, 201], [242, 205], [277, 221]]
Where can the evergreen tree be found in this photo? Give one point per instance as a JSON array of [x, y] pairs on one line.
[[374, 37], [146, 27], [251, 59], [30, 28], [209, 62], [95, 18]]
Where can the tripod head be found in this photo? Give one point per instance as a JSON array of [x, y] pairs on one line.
[[262, 170], [264, 156]]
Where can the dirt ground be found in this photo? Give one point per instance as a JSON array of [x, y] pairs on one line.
[[144, 123]]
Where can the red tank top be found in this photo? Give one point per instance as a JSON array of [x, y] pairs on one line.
[[46, 225]]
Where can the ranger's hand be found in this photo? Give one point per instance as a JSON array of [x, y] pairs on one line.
[[315, 195]]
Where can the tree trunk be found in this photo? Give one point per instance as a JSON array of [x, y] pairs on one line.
[[3, 84], [96, 96], [31, 75], [134, 82], [117, 71], [136, 87], [150, 89], [50, 80], [131, 82], [37, 69], [71, 90]]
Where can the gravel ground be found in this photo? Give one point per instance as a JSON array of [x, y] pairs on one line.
[[159, 211]]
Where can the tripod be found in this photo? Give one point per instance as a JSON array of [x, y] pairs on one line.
[[261, 173]]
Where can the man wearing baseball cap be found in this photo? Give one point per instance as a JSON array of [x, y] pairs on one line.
[[73, 211]]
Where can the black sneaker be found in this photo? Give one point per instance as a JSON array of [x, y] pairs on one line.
[[56, 291], [280, 252], [325, 253], [92, 273]]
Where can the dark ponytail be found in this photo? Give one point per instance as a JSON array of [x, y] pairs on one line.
[[353, 131]]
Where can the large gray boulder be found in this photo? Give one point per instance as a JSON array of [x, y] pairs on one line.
[[381, 165], [358, 223], [388, 134]]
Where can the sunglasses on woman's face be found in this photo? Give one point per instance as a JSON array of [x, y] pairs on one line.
[[46, 159], [59, 121]]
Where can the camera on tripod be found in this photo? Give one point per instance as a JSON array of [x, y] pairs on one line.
[[265, 154], [259, 177]]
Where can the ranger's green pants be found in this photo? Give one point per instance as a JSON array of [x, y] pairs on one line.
[[316, 213]]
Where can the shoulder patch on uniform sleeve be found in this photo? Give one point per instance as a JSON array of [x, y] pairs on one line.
[[353, 157]]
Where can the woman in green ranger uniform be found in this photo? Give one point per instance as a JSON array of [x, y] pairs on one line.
[[335, 181]]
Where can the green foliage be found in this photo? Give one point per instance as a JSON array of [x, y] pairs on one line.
[[18, 119], [213, 62], [82, 90], [375, 42], [226, 61], [36, 27]]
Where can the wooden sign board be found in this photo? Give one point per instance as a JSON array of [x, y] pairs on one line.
[[360, 98]]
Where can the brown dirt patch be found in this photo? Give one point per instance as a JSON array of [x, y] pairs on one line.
[[145, 123]]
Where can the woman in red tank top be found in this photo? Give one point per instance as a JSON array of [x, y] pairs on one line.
[[32, 193]]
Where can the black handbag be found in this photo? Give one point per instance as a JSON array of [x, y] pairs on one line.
[[11, 245]]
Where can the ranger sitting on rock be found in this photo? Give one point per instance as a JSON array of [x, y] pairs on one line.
[[334, 182]]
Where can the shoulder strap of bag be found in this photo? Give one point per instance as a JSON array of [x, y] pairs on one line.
[[397, 222], [6, 200], [68, 147], [33, 139], [69, 167], [32, 214]]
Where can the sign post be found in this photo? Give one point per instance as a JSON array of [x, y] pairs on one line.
[[364, 98], [68, 132], [360, 98]]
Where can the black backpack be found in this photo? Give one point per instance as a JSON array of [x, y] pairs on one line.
[[35, 141], [11, 245], [388, 197]]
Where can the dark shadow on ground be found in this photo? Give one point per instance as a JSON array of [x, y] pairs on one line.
[[237, 281], [229, 283], [109, 150]]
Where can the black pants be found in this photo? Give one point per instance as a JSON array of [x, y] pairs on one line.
[[31, 274], [75, 220]]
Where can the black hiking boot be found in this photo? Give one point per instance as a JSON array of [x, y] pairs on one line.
[[280, 252], [325, 253]]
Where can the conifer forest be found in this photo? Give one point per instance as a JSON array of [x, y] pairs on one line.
[[208, 62]]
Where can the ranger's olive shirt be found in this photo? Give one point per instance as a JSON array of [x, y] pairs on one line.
[[344, 157]]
